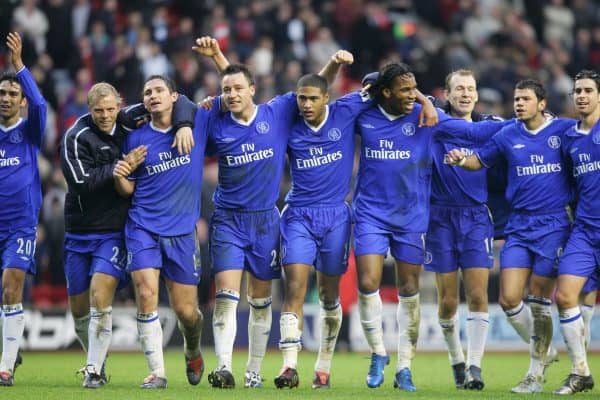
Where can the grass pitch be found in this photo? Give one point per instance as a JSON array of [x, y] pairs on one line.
[[49, 376]]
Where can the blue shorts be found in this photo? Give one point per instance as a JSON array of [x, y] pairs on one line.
[[17, 249], [318, 236], [535, 242], [459, 237], [86, 255], [592, 284], [582, 252], [175, 256], [408, 247], [247, 241]]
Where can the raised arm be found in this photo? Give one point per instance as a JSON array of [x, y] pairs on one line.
[[332, 67], [209, 47], [36, 105]]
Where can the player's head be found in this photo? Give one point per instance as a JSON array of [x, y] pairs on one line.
[[586, 92], [312, 98], [103, 102], [396, 88], [461, 91], [237, 87], [11, 96], [159, 94], [529, 99]]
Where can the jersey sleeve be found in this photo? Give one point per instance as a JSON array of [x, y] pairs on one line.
[[492, 152], [78, 164], [36, 106], [184, 112], [284, 106]]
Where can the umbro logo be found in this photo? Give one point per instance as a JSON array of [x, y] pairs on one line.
[[518, 146], [227, 139], [368, 126]]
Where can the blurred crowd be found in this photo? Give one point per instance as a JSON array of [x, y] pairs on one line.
[[71, 44]]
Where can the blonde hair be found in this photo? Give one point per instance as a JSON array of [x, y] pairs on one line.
[[100, 90]]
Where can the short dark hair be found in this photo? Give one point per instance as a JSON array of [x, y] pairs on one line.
[[386, 76], [313, 80], [12, 78], [236, 69], [588, 74], [535, 85], [168, 82]]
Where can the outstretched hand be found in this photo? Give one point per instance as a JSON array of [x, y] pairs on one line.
[[207, 46], [15, 45]]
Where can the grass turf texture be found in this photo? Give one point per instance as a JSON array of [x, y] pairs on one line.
[[48, 376]]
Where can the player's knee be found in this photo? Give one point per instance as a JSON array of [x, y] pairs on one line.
[[565, 299], [508, 303], [295, 291], [408, 288], [478, 300], [448, 306], [146, 294], [12, 293], [367, 284], [187, 313], [328, 296]]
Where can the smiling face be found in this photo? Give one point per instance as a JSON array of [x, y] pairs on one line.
[[158, 98], [312, 104], [400, 97], [104, 112], [586, 97], [237, 93], [462, 95], [11, 101]]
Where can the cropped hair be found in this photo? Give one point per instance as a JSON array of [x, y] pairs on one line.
[[313, 80], [236, 69], [100, 90], [535, 85]]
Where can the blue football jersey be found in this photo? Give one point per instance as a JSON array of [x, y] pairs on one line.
[[252, 155], [21, 195], [394, 176], [168, 185], [321, 157], [451, 186], [537, 179], [582, 154]]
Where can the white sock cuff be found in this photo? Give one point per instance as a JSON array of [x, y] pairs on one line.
[[227, 294], [515, 311], [12, 309], [331, 307], [449, 322], [569, 315], [408, 299], [147, 317], [259, 303], [368, 295], [94, 312], [479, 316]]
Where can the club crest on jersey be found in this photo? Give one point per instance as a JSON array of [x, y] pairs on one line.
[[16, 137], [596, 137], [554, 142], [262, 127], [334, 134], [408, 129]]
